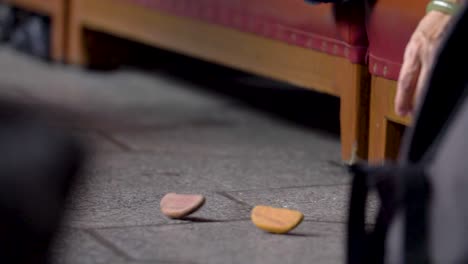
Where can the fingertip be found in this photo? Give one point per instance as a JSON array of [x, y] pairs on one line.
[[401, 111]]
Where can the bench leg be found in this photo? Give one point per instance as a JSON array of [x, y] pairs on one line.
[[58, 31], [353, 83], [76, 52], [386, 129]]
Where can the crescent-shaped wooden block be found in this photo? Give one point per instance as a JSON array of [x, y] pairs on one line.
[[177, 206], [276, 220]]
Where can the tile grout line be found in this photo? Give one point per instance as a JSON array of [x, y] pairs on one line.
[[232, 198], [92, 229], [325, 222], [119, 252], [222, 155], [289, 187], [152, 261], [124, 147], [161, 225]]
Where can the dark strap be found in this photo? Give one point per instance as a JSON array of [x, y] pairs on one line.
[[416, 203], [357, 237], [396, 187], [369, 246]]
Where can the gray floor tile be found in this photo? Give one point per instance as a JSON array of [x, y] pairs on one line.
[[220, 208], [97, 143], [159, 173], [79, 247], [188, 172], [86, 90], [235, 242], [136, 206], [223, 136], [162, 135], [133, 207], [319, 203], [247, 173], [322, 203], [114, 208]]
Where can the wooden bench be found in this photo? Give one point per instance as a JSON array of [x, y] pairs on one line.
[[390, 27], [292, 55]]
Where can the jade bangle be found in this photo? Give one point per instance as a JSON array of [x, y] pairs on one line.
[[443, 6]]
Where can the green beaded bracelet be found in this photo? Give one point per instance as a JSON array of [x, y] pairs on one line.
[[442, 6]]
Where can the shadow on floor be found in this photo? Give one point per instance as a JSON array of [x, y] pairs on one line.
[[297, 106]]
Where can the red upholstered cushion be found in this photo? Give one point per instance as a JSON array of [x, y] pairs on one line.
[[391, 25], [291, 21]]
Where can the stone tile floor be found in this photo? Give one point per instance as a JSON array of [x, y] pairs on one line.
[[196, 128]]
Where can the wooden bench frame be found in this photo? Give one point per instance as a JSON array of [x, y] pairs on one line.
[[57, 11], [384, 134], [303, 67]]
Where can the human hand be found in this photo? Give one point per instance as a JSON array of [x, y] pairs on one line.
[[418, 60]]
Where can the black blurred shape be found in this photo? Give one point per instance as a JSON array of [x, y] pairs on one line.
[[25, 31], [7, 21], [38, 164]]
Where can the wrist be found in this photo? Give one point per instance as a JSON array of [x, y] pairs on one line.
[[449, 7]]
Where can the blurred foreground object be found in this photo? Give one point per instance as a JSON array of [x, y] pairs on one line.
[[31, 35], [7, 21], [39, 163], [25, 31], [423, 215]]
